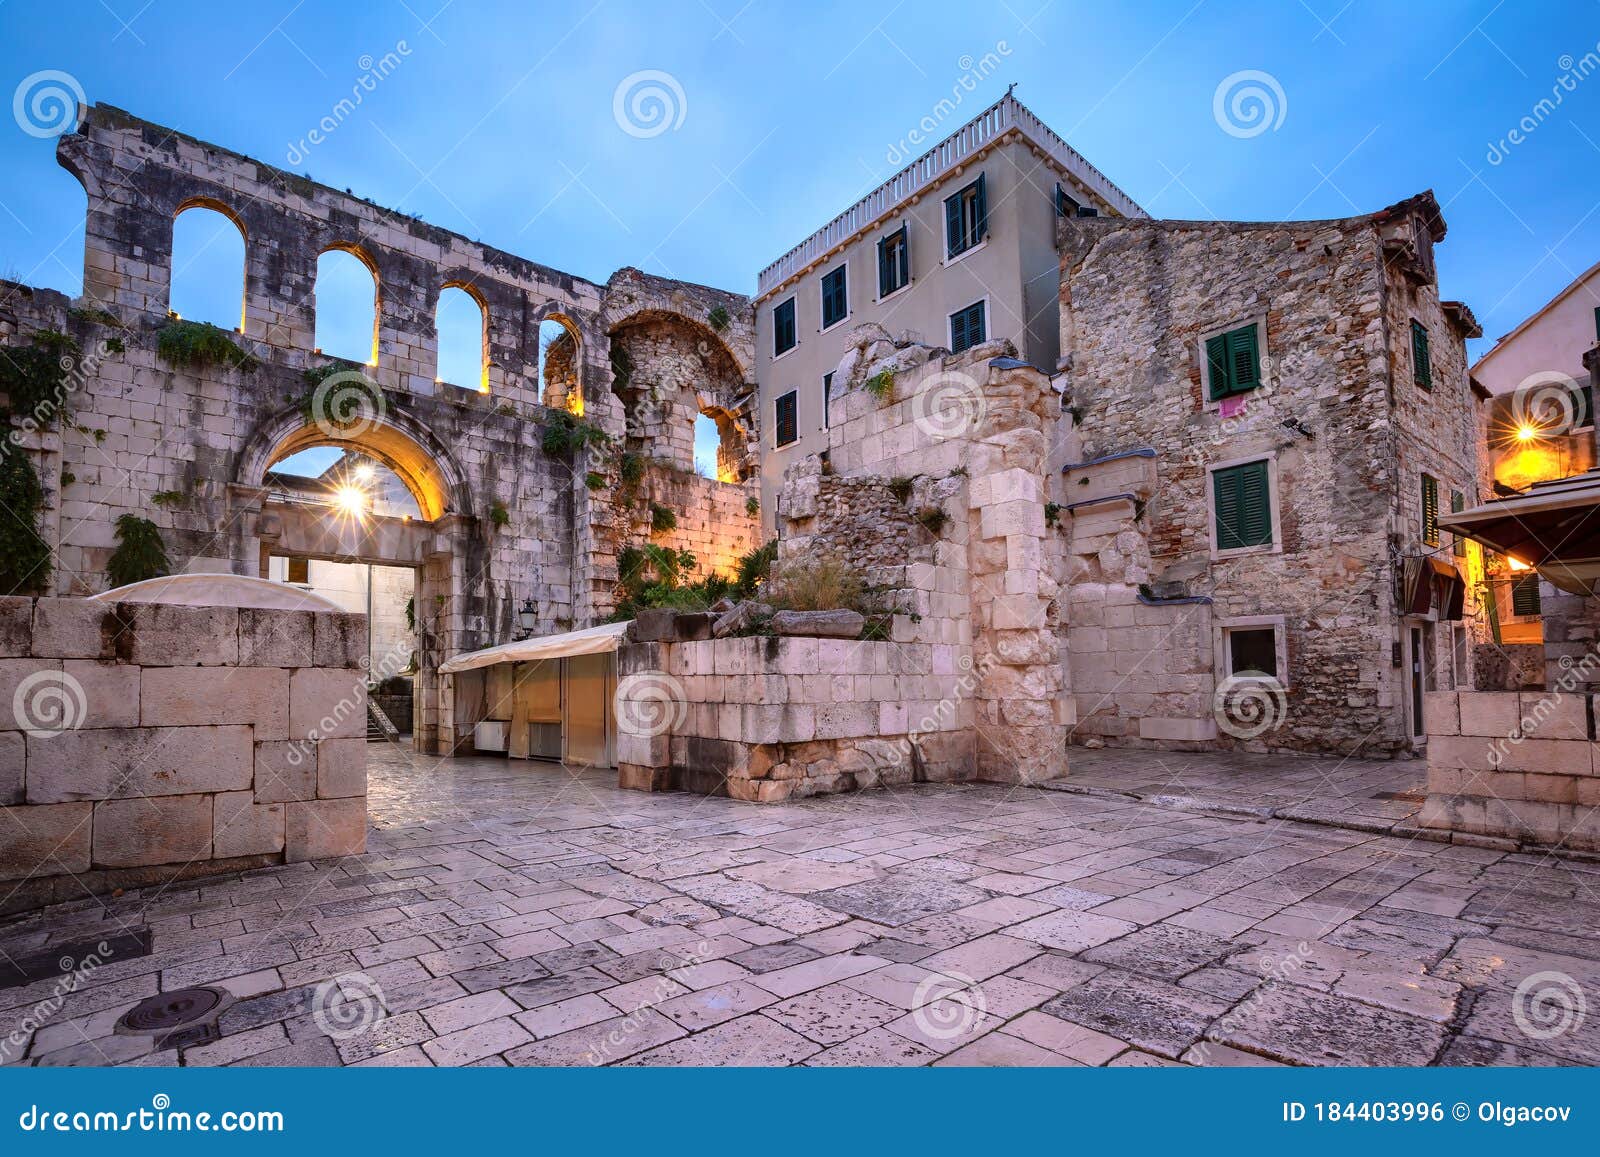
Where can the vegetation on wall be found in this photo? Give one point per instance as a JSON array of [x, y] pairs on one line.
[[169, 498], [24, 556], [498, 514], [32, 377], [1052, 513], [718, 317], [662, 519], [901, 488], [196, 344], [932, 518], [820, 584], [630, 468], [564, 433], [594, 481], [140, 553], [651, 576], [752, 506], [880, 385]]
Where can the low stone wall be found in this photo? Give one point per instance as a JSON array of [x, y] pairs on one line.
[[769, 718], [1520, 767], [142, 743]]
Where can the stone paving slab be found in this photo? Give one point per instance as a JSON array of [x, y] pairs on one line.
[[517, 914]]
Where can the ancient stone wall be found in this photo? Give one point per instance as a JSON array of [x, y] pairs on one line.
[[1347, 431], [144, 743]]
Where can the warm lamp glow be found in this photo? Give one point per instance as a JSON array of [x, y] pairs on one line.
[[365, 472], [351, 500], [1527, 433], [1516, 564], [575, 404]]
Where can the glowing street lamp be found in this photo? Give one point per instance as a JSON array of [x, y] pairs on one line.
[[351, 501]]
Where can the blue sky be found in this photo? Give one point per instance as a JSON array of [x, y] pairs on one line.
[[497, 119]]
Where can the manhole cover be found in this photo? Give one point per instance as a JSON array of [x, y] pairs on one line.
[[171, 1011]]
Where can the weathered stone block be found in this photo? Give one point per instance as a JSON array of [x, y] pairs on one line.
[[110, 691], [130, 833], [44, 841], [173, 636], [324, 828], [1490, 713], [836, 624], [341, 640], [13, 761], [327, 704], [270, 638], [1554, 715], [285, 770], [342, 768], [76, 629], [119, 763], [242, 827], [191, 696], [16, 626], [1441, 713]]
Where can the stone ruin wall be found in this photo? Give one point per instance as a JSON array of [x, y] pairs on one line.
[[192, 740], [1137, 296], [133, 426]]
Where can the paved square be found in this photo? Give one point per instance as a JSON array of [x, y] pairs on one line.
[[522, 914]]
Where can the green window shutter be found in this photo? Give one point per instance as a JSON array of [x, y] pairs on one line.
[[958, 331], [1430, 510], [783, 336], [975, 327], [1242, 496], [1243, 356], [835, 302], [1525, 598], [905, 257], [1421, 360], [980, 211], [788, 424], [883, 267], [952, 226], [1217, 366], [1458, 503]]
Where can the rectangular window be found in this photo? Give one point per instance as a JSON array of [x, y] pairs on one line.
[[1421, 359], [1065, 205], [894, 262], [835, 299], [1252, 651], [827, 388], [299, 570], [783, 333], [1525, 595], [966, 327], [1233, 362], [1243, 498], [787, 418], [1430, 510], [1458, 503], [966, 218]]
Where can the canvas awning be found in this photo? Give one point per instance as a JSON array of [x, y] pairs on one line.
[[218, 590], [589, 641], [1552, 526]]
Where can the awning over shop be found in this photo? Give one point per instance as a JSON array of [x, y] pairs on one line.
[[590, 641], [1552, 526], [1433, 586]]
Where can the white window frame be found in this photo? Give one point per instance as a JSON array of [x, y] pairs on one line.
[[911, 277], [1265, 368], [953, 258], [1223, 653], [1270, 457]]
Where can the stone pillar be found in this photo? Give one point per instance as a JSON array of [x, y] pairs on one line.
[[1021, 732]]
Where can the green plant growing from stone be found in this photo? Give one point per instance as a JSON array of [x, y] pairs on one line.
[[818, 584], [1052, 513], [754, 569], [169, 498], [198, 344], [564, 433], [499, 516], [594, 481], [718, 317], [901, 488], [880, 385], [140, 553], [630, 468], [662, 519], [33, 377], [24, 556], [752, 506], [932, 519]]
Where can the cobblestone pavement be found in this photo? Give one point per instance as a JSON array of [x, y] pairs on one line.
[[527, 915]]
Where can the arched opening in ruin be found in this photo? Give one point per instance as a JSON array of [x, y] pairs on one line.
[[207, 275], [559, 383], [721, 446], [461, 323], [346, 297], [407, 467]]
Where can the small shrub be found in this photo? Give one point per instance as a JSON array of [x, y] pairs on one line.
[[823, 584], [32, 377], [880, 385], [1052, 513], [901, 488], [754, 569], [932, 519], [169, 498], [196, 344], [718, 317], [113, 345], [24, 555], [594, 481], [662, 519], [498, 514], [564, 433], [140, 553], [752, 506], [958, 472], [630, 467]]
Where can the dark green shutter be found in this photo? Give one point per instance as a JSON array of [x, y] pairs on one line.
[[1430, 510], [1217, 365], [787, 419], [1233, 362], [883, 266], [1525, 596], [905, 258], [980, 212], [958, 331], [1597, 323], [952, 225], [783, 336], [1458, 503], [975, 327], [1421, 361], [1242, 496]]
